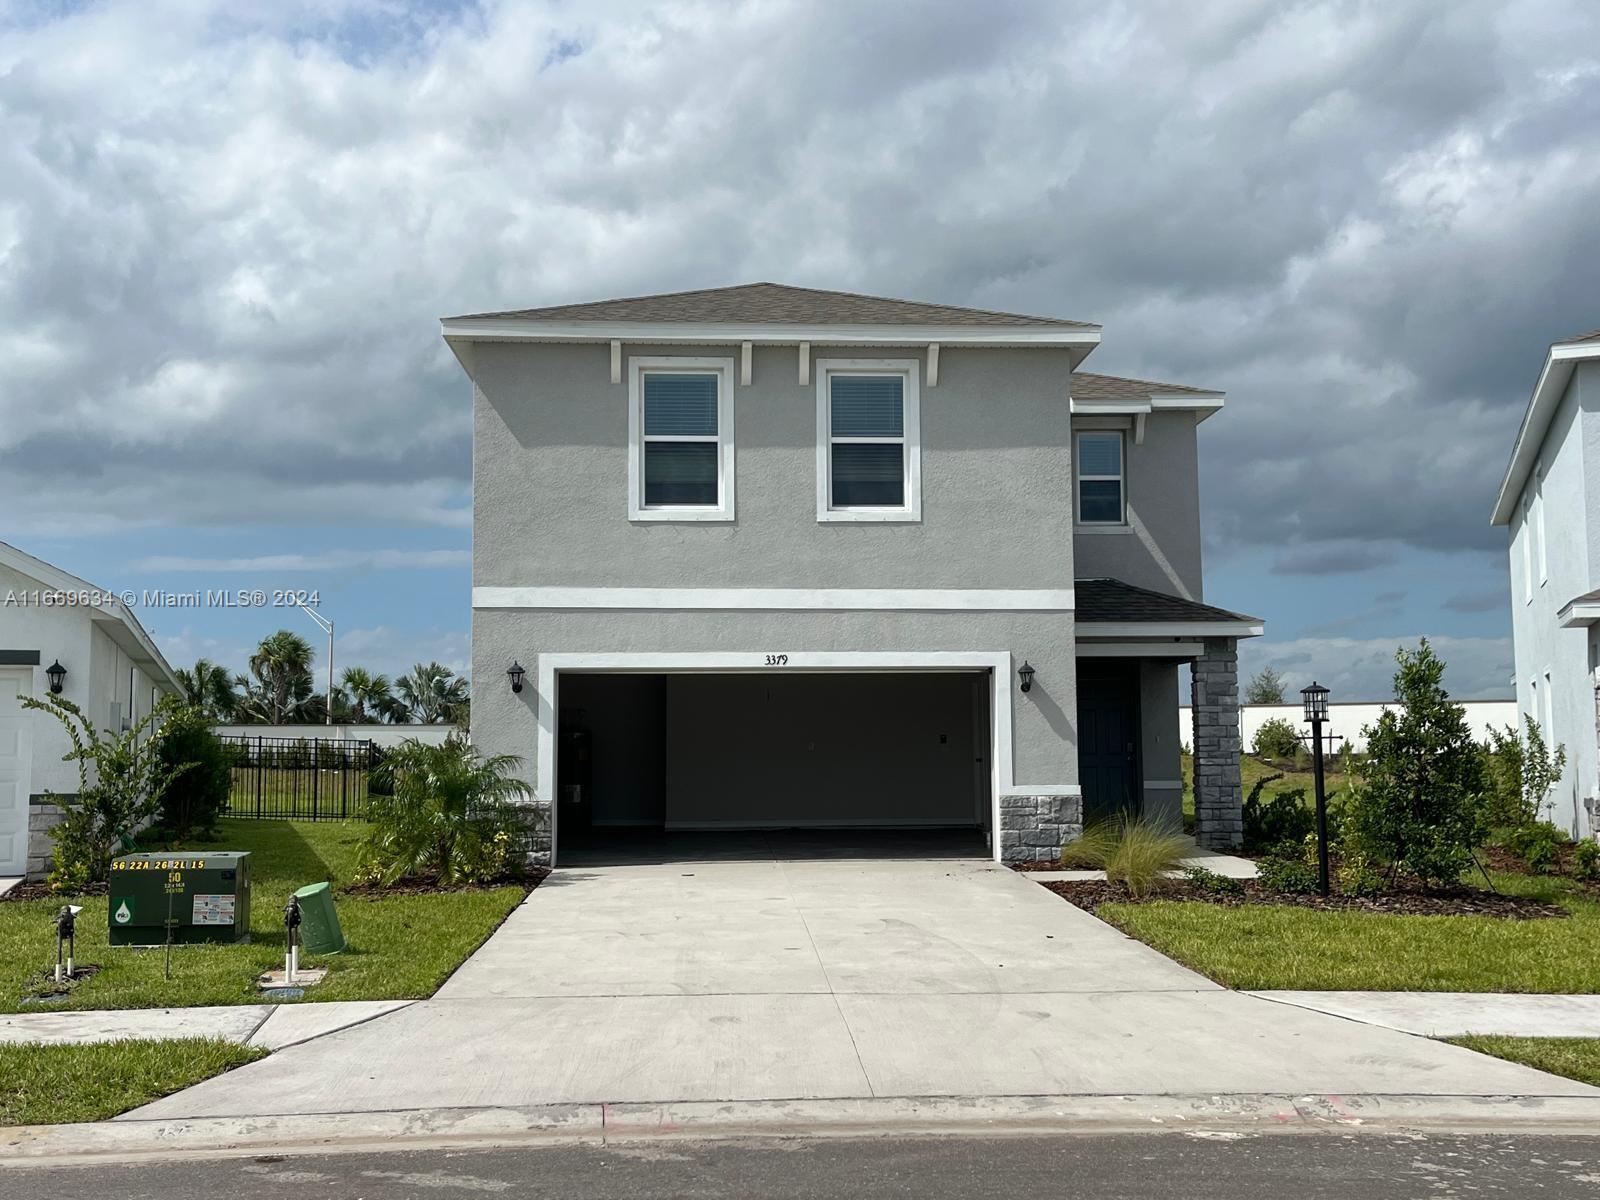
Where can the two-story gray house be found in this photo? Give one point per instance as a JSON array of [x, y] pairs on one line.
[[769, 557], [1554, 528]]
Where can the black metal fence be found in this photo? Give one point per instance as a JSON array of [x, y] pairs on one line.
[[302, 779]]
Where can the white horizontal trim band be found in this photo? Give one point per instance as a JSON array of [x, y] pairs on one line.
[[740, 599], [1042, 789]]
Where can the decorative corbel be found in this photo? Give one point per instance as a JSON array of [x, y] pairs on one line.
[[616, 362]]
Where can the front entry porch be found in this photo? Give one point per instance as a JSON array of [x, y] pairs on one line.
[[1131, 643]]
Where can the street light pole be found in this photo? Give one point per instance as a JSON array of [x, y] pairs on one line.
[[1316, 700], [327, 627]]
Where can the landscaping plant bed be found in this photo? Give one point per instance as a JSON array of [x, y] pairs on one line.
[[528, 879], [1090, 894], [42, 891], [1498, 858]]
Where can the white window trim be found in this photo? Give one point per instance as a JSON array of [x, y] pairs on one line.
[[638, 367], [1538, 523], [910, 369], [1527, 548], [1078, 478]]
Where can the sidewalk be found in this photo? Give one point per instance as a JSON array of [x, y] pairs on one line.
[[1456, 1014], [271, 1026]]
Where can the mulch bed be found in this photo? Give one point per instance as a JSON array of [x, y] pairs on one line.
[[530, 879], [1498, 858], [1089, 894], [41, 891]]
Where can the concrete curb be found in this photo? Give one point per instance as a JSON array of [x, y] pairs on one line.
[[110, 1141]]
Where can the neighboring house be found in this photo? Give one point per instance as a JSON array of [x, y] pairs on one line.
[[774, 557], [1550, 500], [113, 672]]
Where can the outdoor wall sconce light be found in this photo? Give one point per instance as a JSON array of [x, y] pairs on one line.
[[1025, 674], [58, 676], [515, 672]]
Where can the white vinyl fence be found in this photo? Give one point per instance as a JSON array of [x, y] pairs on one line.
[[1348, 720]]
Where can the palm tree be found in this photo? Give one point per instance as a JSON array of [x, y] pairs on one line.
[[282, 662], [365, 688], [433, 694], [209, 688]]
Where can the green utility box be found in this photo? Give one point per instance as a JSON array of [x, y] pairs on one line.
[[319, 923], [206, 897]]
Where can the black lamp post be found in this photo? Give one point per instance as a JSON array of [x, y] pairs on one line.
[[58, 676], [515, 672], [1025, 675], [1316, 698]]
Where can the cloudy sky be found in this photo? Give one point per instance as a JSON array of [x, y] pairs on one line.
[[227, 230]]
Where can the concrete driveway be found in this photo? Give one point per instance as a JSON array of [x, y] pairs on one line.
[[759, 978]]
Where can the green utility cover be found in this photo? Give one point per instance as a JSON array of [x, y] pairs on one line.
[[206, 897], [319, 924]]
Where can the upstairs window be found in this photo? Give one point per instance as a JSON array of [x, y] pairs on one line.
[[680, 424], [868, 443], [1102, 498]]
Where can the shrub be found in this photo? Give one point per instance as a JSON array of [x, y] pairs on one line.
[[1284, 818], [122, 790], [1276, 738], [1287, 875], [445, 813], [1144, 851], [195, 797], [1422, 809], [1519, 773], [1357, 876], [1209, 881], [1586, 860], [1538, 845]]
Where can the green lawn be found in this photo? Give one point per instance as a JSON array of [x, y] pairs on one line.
[[1277, 946], [401, 946], [44, 1085], [1576, 1058]]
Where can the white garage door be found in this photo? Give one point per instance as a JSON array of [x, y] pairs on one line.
[[16, 771]]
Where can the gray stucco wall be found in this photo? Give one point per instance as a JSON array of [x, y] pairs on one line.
[[1159, 547], [1569, 458], [1161, 740], [551, 479]]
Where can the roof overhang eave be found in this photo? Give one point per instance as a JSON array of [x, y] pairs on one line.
[[1202, 404], [1541, 410], [1578, 614], [1188, 630], [465, 330]]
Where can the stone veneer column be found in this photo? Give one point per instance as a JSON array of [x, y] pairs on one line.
[[1214, 705], [1033, 828]]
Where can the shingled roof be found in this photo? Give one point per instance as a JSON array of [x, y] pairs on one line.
[[1088, 386], [1592, 336], [777, 304], [1113, 600]]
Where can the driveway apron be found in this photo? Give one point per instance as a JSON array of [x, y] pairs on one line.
[[764, 979]]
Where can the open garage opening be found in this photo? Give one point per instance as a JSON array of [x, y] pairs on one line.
[[770, 764]]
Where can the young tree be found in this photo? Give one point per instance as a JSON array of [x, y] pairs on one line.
[[1422, 810], [1265, 688], [1521, 772], [122, 778]]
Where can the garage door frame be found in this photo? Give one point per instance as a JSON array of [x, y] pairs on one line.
[[996, 663]]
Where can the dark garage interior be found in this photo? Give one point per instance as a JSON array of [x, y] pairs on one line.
[[665, 760]]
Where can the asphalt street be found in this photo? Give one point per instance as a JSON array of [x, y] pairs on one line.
[[1169, 1166]]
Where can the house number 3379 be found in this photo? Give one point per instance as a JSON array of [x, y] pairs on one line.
[[777, 660]]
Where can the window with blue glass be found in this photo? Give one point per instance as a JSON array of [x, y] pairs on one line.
[[682, 447], [1101, 495], [867, 447]]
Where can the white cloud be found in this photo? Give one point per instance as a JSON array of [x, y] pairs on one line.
[[1363, 668]]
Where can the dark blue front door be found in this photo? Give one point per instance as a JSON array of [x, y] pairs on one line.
[[1108, 736]]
